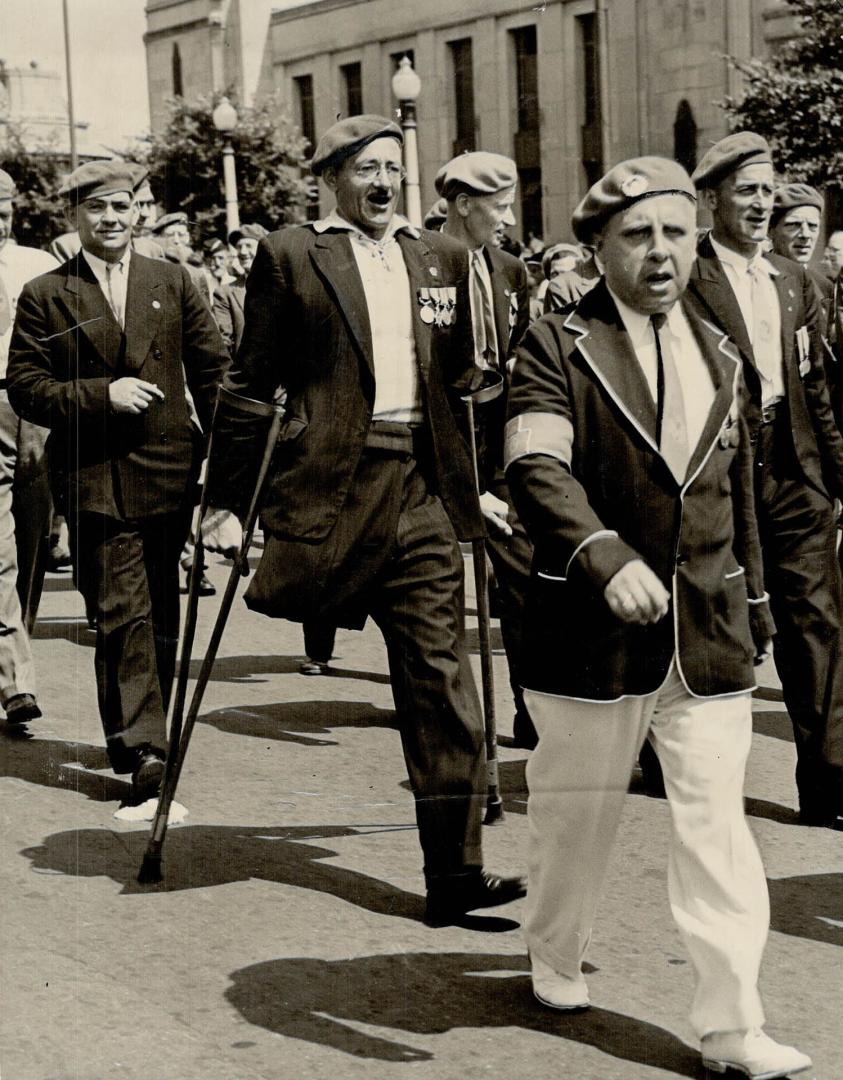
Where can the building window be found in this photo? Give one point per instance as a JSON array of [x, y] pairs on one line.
[[685, 136], [352, 77], [178, 84], [591, 137], [463, 86], [527, 148], [307, 122]]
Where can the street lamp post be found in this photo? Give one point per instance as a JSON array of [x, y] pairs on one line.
[[225, 121], [406, 86]]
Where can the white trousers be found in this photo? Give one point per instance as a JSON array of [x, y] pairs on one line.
[[578, 777]]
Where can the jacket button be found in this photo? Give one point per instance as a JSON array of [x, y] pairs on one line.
[[681, 560]]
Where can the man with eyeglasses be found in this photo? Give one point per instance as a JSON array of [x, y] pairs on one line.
[[117, 355], [363, 322]]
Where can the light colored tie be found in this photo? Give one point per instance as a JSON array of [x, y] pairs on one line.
[[112, 299], [484, 320], [673, 427], [763, 342]]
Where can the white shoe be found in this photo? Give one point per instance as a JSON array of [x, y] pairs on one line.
[[558, 991], [752, 1053]]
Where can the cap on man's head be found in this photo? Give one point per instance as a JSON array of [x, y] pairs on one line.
[[7, 186], [94, 179], [623, 186], [570, 256], [139, 173], [730, 154], [247, 232], [345, 138], [177, 217], [789, 196], [213, 246], [479, 172]]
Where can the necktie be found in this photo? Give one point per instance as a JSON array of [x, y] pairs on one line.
[[110, 268], [5, 309], [484, 320], [672, 427], [761, 331]]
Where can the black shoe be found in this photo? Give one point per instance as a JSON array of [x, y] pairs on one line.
[[450, 899], [524, 734], [58, 560], [21, 708], [206, 587], [821, 817], [147, 777], [313, 667]]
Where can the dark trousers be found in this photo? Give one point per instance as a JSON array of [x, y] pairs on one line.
[[127, 573], [393, 555], [319, 638], [802, 576]]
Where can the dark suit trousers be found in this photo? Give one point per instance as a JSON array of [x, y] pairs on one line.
[[127, 572], [802, 576]]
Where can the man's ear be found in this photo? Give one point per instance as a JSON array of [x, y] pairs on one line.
[[330, 177], [70, 216], [710, 199], [463, 204]]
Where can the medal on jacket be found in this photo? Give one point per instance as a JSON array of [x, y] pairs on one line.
[[513, 310], [438, 305], [730, 433], [803, 345]]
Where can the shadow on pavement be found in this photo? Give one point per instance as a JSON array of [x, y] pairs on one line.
[[245, 668], [55, 764], [74, 630], [776, 725], [771, 811], [424, 993], [298, 721], [808, 906], [59, 583]]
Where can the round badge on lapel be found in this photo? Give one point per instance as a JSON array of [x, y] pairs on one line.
[[156, 304], [433, 271]]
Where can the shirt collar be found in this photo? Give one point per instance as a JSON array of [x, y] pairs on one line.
[[740, 262], [336, 222], [638, 325], [99, 265]]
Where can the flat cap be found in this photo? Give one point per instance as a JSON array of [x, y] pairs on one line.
[[345, 138], [476, 173], [624, 185], [213, 246], [729, 154], [94, 178], [437, 215], [7, 186], [177, 217], [247, 232], [570, 255], [789, 196]]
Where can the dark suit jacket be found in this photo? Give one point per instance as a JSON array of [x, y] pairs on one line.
[[609, 497], [67, 348], [817, 442], [307, 334]]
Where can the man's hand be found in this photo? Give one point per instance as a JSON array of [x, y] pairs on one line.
[[495, 511], [222, 532], [131, 395], [636, 595], [764, 652]]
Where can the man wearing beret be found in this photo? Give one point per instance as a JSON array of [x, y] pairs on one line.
[[364, 324], [24, 491], [630, 466], [245, 240], [768, 306], [479, 189], [117, 355], [795, 229]]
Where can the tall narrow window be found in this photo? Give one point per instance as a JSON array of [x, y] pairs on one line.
[[591, 107], [463, 76], [307, 122], [352, 77], [178, 84], [527, 148], [685, 136]]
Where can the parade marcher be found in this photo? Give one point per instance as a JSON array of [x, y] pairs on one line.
[[118, 356], [630, 464], [24, 490], [832, 260], [768, 307], [437, 215], [795, 229], [563, 267], [172, 231], [479, 189], [364, 324], [245, 240]]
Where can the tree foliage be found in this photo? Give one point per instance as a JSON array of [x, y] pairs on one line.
[[185, 164], [795, 99], [37, 174]]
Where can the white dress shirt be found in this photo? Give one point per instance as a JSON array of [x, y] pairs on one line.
[[739, 272], [694, 377], [18, 265], [386, 286], [119, 274]]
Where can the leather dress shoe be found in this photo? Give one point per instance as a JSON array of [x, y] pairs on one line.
[[313, 667], [147, 776], [753, 1053], [206, 586], [21, 708], [524, 734], [451, 898], [557, 991]]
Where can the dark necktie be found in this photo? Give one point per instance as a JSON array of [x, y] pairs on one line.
[[672, 428]]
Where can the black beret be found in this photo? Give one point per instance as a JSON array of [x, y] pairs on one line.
[[730, 154], [345, 138], [790, 195], [626, 184]]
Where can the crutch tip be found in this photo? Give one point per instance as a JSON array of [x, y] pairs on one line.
[[150, 871], [494, 812]]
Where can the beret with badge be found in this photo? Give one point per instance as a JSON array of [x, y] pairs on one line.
[[7, 186], [789, 196], [247, 232], [479, 172], [93, 179], [347, 137], [624, 185], [177, 217], [730, 154]]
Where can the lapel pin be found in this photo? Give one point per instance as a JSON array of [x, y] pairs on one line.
[[433, 271], [156, 304]]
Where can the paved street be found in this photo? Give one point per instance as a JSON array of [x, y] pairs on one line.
[[287, 942]]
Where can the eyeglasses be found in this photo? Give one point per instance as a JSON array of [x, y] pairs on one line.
[[370, 169]]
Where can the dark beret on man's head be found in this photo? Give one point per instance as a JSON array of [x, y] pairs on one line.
[[730, 154], [479, 172], [347, 137], [625, 184], [96, 178], [789, 196]]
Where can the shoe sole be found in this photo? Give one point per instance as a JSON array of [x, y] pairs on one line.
[[23, 716], [578, 1007], [777, 1074]]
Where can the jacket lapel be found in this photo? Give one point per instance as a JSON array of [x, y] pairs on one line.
[[423, 270], [723, 364], [711, 287], [335, 263], [143, 311], [501, 292], [88, 311], [789, 290]]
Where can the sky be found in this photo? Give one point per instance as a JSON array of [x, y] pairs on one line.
[[107, 57]]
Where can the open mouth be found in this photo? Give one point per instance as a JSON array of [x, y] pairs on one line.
[[659, 279], [380, 200]]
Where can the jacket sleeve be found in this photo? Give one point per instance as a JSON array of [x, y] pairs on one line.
[[34, 391], [203, 351], [539, 455], [829, 439], [522, 293]]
